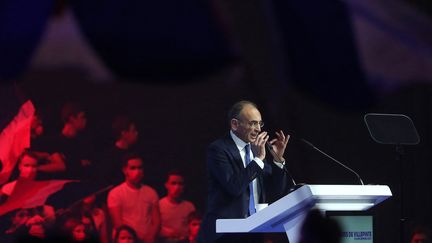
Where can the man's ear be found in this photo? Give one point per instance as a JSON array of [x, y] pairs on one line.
[[234, 124]]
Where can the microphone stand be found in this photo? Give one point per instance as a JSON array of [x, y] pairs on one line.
[[333, 159], [295, 185], [403, 217]]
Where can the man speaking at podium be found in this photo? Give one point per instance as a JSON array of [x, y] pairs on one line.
[[239, 176]]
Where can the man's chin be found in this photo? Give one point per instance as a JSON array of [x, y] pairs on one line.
[[137, 182]]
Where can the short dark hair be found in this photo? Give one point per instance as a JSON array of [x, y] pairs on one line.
[[128, 157], [235, 109], [423, 229], [128, 229], [28, 153], [69, 224], [121, 123], [174, 172], [70, 109]]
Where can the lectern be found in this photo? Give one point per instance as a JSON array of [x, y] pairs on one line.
[[288, 213]]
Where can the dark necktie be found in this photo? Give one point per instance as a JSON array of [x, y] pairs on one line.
[[251, 195]]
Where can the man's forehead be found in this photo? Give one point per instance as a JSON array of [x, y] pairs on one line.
[[134, 162], [28, 159], [249, 111], [81, 114], [175, 178]]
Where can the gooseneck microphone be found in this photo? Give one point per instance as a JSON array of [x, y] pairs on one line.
[[335, 160]]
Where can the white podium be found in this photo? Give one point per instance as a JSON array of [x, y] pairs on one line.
[[288, 213]]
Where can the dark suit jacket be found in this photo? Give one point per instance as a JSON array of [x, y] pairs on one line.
[[228, 185]]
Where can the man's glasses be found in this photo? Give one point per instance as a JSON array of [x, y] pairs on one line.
[[257, 124]]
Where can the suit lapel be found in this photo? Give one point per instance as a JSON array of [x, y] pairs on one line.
[[235, 153], [233, 150]]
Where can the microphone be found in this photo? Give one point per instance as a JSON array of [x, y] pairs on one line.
[[335, 160], [270, 148]]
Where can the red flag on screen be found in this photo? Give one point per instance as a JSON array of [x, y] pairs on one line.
[[30, 193], [14, 139]]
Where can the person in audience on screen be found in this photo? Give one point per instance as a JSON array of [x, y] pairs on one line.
[[174, 209], [239, 176], [27, 169], [49, 161], [194, 223], [32, 222], [125, 234], [125, 134], [73, 143], [135, 204], [421, 234], [74, 231], [92, 216], [317, 228]]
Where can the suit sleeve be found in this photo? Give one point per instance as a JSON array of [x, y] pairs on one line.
[[222, 167]]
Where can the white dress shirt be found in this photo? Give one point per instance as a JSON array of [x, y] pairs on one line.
[[241, 147]]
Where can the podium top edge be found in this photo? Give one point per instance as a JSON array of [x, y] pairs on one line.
[[383, 190]]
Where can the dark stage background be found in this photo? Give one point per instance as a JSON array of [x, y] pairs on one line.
[[313, 67]]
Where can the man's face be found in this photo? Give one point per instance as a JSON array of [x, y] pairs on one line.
[[79, 121], [246, 126], [419, 238], [175, 186], [131, 135], [125, 237], [79, 233], [28, 167], [194, 227], [134, 172], [20, 217]]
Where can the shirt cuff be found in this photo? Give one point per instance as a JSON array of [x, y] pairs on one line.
[[280, 165], [259, 162]]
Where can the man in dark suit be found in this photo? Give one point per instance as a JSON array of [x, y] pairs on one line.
[[238, 173]]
